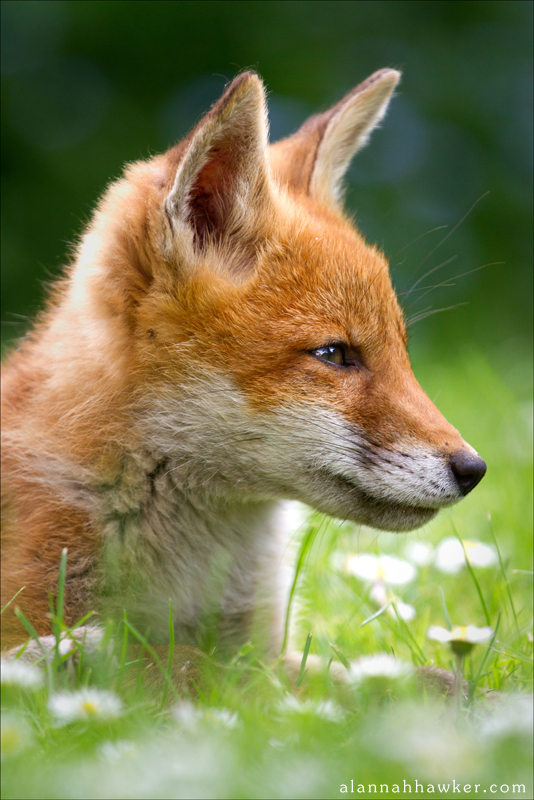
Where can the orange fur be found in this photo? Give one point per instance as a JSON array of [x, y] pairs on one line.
[[199, 295]]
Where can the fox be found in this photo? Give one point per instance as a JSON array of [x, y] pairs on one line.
[[223, 341]]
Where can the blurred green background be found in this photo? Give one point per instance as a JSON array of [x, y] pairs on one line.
[[88, 86]]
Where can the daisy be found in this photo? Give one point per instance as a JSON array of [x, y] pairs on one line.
[[16, 734], [17, 673], [187, 714], [388, 569], [420, 553], [325, 709], [190, 716], [224, 717], [462, 638], [118, 750], [379, 666], [450, 556], [85, 704]]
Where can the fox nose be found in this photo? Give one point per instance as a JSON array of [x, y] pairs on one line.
[[467, 469]]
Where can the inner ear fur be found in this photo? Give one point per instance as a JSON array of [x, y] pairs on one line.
[[315, 159], [222, 177]]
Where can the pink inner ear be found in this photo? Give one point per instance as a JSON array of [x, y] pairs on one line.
[[211, 196]]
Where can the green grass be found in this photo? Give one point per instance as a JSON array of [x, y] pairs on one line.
[[245, 738]]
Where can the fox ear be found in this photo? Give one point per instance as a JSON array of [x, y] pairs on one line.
[[315, 159], [222, 169]]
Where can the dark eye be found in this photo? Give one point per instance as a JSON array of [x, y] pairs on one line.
[[342, 355], [333, 353]]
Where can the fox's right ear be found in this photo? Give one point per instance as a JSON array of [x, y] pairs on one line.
[[315, 159], [222, 175]]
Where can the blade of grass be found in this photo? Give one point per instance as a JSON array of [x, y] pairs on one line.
[[510, 652], [20, 650], [31, 630], [473, 577], [170, 658], [374, 616], [473, 684], [53, 618], [340, 656], [410, 641], [236, 667], [34, 635], [445, 609], [505, 576], [56, 609], [81, 650], [302, 670], [417, 653], [124, 648], [13, 598], [241, 653], [304, 550], [140, 638], [82, 621], [60, 605]]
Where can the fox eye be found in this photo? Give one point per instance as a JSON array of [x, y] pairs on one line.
[[341, 355], [333, 353]]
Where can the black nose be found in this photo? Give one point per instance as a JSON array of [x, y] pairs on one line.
[[467, 469]]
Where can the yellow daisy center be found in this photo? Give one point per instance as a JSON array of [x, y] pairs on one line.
[[459, 632], [89, 707], [11, 741]]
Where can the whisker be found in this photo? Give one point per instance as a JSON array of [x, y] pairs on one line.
[[455, 228], [430, 271], [419, 317], [455, 277], [425, 259], [439, 228]]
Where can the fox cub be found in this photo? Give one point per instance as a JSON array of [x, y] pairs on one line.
[[223, 340]]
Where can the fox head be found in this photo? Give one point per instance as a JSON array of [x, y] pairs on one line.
[[260, 336]]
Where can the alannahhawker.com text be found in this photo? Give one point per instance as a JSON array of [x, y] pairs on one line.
[[410, 787]]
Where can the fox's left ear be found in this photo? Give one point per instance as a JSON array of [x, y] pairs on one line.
[[315, 159], [221, 175]]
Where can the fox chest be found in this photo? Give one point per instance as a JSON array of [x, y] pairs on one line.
[[172, 563]]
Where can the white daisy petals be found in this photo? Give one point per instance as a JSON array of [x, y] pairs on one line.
[[420, 553], [16, 734], [450, 556], [88, 704], [324, 709], [461, 638], [388, 569], [379, 666], [17, 673]]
